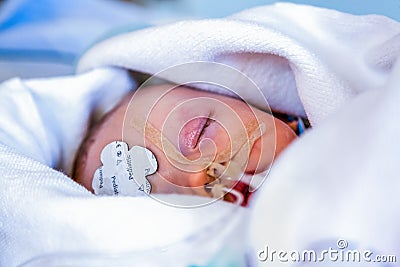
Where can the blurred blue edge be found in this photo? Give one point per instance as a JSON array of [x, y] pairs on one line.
[[59, 31]]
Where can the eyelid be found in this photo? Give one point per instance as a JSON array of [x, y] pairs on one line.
[[206, 124]]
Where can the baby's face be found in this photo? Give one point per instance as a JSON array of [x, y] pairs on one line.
[[198, 124]]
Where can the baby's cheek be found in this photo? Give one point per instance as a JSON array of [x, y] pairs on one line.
[[169, 177], [159, 184], [268, 147], [178, 182], [284, 136]]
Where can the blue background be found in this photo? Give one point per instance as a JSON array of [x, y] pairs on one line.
[[42, 38]]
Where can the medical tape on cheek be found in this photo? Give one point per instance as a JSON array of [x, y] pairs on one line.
[[156, 137], [124, 171], [227, 163], [224, 175], [235, 167], [253, 131]]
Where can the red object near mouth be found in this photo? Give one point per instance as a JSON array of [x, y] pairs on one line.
[[243, 189]]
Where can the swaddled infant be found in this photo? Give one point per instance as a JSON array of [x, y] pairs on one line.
[[196, 136]]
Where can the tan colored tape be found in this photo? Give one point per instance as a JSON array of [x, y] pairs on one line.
[[227, 163]]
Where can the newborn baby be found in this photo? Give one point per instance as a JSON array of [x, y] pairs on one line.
[[196, 137]]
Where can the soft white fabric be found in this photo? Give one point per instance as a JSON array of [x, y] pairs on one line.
[[44, 213], [341, 179], [333, 67], [328, 56], [46, 216], [46, 119]]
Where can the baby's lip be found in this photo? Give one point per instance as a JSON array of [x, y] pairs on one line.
[[190, 134]]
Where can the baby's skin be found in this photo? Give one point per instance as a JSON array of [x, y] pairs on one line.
[[195, 125]]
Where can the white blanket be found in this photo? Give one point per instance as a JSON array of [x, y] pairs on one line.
[[338, 181]]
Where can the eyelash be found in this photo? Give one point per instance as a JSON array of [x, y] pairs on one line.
[[202, 131], [208, 122]]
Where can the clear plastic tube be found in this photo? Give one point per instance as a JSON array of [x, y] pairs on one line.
[[221, 187]]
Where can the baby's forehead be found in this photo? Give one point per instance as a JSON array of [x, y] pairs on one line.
[[171, 90], [138, 103]]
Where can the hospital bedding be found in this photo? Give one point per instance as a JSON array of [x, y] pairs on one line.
[[340, 180]]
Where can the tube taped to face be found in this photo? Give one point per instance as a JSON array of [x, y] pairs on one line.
[[124, 171], [228, 166]]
